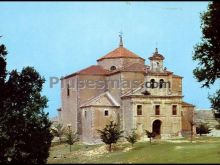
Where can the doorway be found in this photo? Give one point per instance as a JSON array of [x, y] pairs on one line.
[[156, 127]]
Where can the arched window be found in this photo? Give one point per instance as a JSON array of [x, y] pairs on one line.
[[161, 83], [152, 81], [113, 67]]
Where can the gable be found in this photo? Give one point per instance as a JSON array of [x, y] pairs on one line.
[[104, 99]]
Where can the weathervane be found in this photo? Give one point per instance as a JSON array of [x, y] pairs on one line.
[[121, 41], [156, 50]]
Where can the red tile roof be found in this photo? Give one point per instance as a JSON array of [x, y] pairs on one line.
[[92, 70], [98, 70], [120, 52], [165, 72], [156, 56], [185, 104], [136, 67], [177, 76]]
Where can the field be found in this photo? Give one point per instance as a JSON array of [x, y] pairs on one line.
[[202, 150]]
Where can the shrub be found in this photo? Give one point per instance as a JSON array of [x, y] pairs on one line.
[[150, 135], [202, 129], [110, 134], [71, 137], [132, 138], [58, 131]]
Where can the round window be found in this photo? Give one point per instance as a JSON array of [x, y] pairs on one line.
[[112, 68]]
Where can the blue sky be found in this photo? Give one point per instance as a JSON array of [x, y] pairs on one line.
[[59, 38]]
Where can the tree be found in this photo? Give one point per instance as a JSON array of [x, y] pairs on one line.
[[3, 74], [71, 137], [202, 128], [132, 138], [58, 131], [24, 127], [110, 134], [150, 135], [215, 101], [208, 52], [190, 118]]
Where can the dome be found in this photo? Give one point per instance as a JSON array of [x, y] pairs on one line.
[[156, 56]]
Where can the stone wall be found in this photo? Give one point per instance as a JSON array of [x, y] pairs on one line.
[[80, 92], [187, 118], [171, 124], [97, 120], [127, 115], [167, 89], [131, 80], [87, 119], [114, 86], [177, 85], [68, 113], [119, 62], [206, 116]]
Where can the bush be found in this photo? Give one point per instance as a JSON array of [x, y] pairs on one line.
[[202, 129], [58, 131], [110, 134], [150, 135], [217, 127], [71, 137], [132, 138]]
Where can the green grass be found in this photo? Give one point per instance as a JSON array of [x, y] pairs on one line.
[[202, 150]]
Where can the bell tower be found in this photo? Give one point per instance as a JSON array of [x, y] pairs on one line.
[[156, 62]]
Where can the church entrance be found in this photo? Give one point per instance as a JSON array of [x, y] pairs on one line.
[[156, 127]]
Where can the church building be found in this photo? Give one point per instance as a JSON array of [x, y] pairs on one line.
[[122, 88]]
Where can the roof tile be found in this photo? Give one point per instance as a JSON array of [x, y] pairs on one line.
[[92, 70], [120, 52]]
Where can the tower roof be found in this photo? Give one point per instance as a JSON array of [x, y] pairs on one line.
[[120, 52], [156, 56]]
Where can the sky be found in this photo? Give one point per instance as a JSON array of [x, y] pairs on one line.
[[59, 38]]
